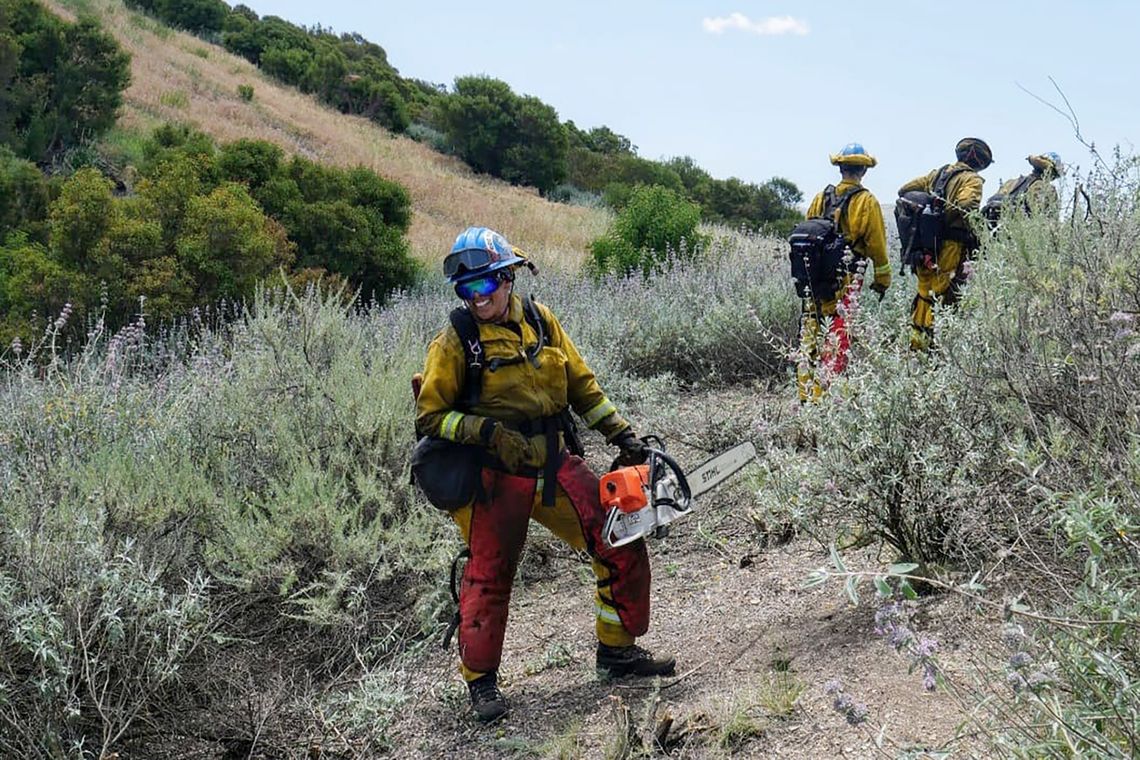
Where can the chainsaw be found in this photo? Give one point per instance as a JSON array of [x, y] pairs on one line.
[[643, 499]]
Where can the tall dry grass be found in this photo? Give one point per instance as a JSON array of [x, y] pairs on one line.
[[179, 77]]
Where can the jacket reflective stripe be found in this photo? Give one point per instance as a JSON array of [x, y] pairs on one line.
[[599, 413], [608, 613], [449, 428]]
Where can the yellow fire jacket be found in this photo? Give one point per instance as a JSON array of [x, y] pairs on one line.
[[515, 392], [862, 225], [963, 193], [1040, 196]]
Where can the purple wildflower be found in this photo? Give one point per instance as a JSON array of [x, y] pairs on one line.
[[1020, 660], [61, 320], [1012, 635], [886, 618], [900, 636], [1016, 681], [853, 712]]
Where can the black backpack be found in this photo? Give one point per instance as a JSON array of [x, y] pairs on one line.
[[818, 248], [920, 217], [1016, 198]]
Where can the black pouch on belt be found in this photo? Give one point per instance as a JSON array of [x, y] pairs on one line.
[[448, 473]]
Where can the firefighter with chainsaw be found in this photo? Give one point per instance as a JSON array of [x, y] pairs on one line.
[[502, 379], [939, 244], [1031, 194], [829, 281]]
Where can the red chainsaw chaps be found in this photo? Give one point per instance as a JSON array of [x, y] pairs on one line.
[[837, 343], [498, 532], [628, 565]]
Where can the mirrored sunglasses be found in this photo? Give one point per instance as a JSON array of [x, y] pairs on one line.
[[484, 286]]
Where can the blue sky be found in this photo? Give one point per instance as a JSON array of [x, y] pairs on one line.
[[762, 89]]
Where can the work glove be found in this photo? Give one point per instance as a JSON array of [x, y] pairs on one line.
[[880, 288], [511, 447], [633, 450]]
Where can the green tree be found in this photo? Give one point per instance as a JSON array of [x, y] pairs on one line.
[[33, 285], [499, 133], [787, 192], [170, 188], [477, 121], [695, 179], [24, 198], [347, 222], [537, 154], [253, 162], [79, 219], [197, 16], [66, 86], [326, 74], [228, 245], [656, 223], [287, 64]]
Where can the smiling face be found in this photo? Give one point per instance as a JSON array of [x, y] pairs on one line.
[[488, 298], [492, 308]]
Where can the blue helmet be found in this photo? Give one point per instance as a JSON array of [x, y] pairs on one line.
[[477, 252], [853, 155]]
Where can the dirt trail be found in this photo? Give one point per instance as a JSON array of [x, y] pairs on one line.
[[734, 614]]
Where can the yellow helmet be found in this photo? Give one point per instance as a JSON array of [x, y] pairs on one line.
[[853, 155], [1047, 162]]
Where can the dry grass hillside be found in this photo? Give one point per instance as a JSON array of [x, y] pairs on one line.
[[178, 77]]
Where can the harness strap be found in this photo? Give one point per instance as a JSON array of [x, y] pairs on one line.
[[549, 428], [468, 332]]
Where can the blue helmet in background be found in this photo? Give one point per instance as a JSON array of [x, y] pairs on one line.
[[853, 155], [477, 252]]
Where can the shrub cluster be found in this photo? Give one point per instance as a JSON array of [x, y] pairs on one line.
[[518, 138], [655, 224], [204, 224], [602, 161], [203, 17], [60, 83], [348, 72]]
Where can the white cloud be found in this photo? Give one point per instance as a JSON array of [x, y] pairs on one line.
[[773, 25]]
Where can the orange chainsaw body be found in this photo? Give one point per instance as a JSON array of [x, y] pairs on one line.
[[625, 488]]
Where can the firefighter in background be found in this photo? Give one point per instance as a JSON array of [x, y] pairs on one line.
[[1031, 193], [519, 418], [861, 224], [939, 279]]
